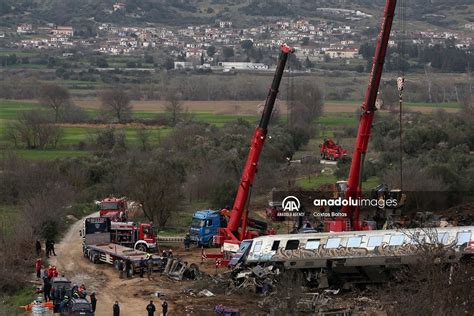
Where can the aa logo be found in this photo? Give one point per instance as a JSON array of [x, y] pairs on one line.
[[291, 204]]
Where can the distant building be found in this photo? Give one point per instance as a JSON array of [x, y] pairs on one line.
[[243, 66], [62, 30], [183, 65], [346, 53], [469, 26], [119, 6], [24, 28], [223, 24]]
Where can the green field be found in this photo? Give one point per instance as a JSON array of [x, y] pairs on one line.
[[72, 135], [311, 182], [10, 110]]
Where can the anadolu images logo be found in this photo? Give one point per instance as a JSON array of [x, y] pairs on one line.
[[291, 204]]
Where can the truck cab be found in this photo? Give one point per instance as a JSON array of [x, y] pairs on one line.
[[205, 226], [115, 208], [140, 236]]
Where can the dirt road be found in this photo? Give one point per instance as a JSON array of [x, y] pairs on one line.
[[101, 278], [135, 293]]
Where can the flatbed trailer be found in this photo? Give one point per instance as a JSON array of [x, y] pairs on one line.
[[97, 247], [113, 253]]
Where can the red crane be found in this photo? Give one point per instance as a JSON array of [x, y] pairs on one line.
[[231, 235], [368, 109]]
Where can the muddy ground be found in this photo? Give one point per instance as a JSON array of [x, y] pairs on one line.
[[135, 293], [182, 296]]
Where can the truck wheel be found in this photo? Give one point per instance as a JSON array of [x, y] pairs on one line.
[[210, 244], [142, 247]]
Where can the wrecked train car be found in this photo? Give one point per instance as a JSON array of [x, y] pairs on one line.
[[366, 256]]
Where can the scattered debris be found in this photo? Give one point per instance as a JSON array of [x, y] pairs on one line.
[[179, 270], [206, 293], [222, 310]]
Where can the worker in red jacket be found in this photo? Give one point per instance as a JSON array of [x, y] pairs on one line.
[[50, 271], [55, 272], [38, 266]]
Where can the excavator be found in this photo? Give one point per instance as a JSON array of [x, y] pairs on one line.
[[236, 229]]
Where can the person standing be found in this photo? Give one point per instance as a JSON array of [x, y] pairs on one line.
[[38, 247], [52, 247], [120, 268], [164, 306], [93, 301], [149, 266], [151, 309], [116, 309], [38, 266], [142, 267], [47, 289], [128, 268], [47, 248], [187, 242]]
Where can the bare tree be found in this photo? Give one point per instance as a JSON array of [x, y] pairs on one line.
[[156, 185], [34, 130], [306, 104], [116, 104], [143, 136], [433, 286], [55, 97], [174, 106]]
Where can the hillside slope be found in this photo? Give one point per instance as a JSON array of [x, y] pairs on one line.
[[451, 14]]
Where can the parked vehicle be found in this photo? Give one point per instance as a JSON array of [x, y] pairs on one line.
[[78, 306], [60, 287], [98, 247]]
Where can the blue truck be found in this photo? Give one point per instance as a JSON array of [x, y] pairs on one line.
[[206, 223]]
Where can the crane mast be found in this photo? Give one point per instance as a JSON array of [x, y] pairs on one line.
[[354, 183], [238, 214]]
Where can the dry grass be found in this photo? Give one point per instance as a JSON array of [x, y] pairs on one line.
[[242, 107]]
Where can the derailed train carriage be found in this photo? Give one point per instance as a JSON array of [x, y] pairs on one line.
[[358, 256]]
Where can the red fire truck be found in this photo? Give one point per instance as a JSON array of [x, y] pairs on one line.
[[139, 236], [115, 208]]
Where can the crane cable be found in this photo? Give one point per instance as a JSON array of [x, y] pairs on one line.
[[401, 78]]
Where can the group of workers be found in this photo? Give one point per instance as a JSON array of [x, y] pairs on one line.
[[59, 294], [64, 296], [48, 248], [47, 274], [150, 308], [77, 292]]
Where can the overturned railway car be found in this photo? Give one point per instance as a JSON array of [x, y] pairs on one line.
[[364, 255]]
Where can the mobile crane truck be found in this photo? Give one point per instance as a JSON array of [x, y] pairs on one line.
[[232, 231], [353, 188]]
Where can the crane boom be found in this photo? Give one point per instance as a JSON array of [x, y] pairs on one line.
[[238, 215], [368, 109]]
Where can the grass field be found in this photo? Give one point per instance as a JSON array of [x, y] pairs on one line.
[[338, 114], [312, 182]]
